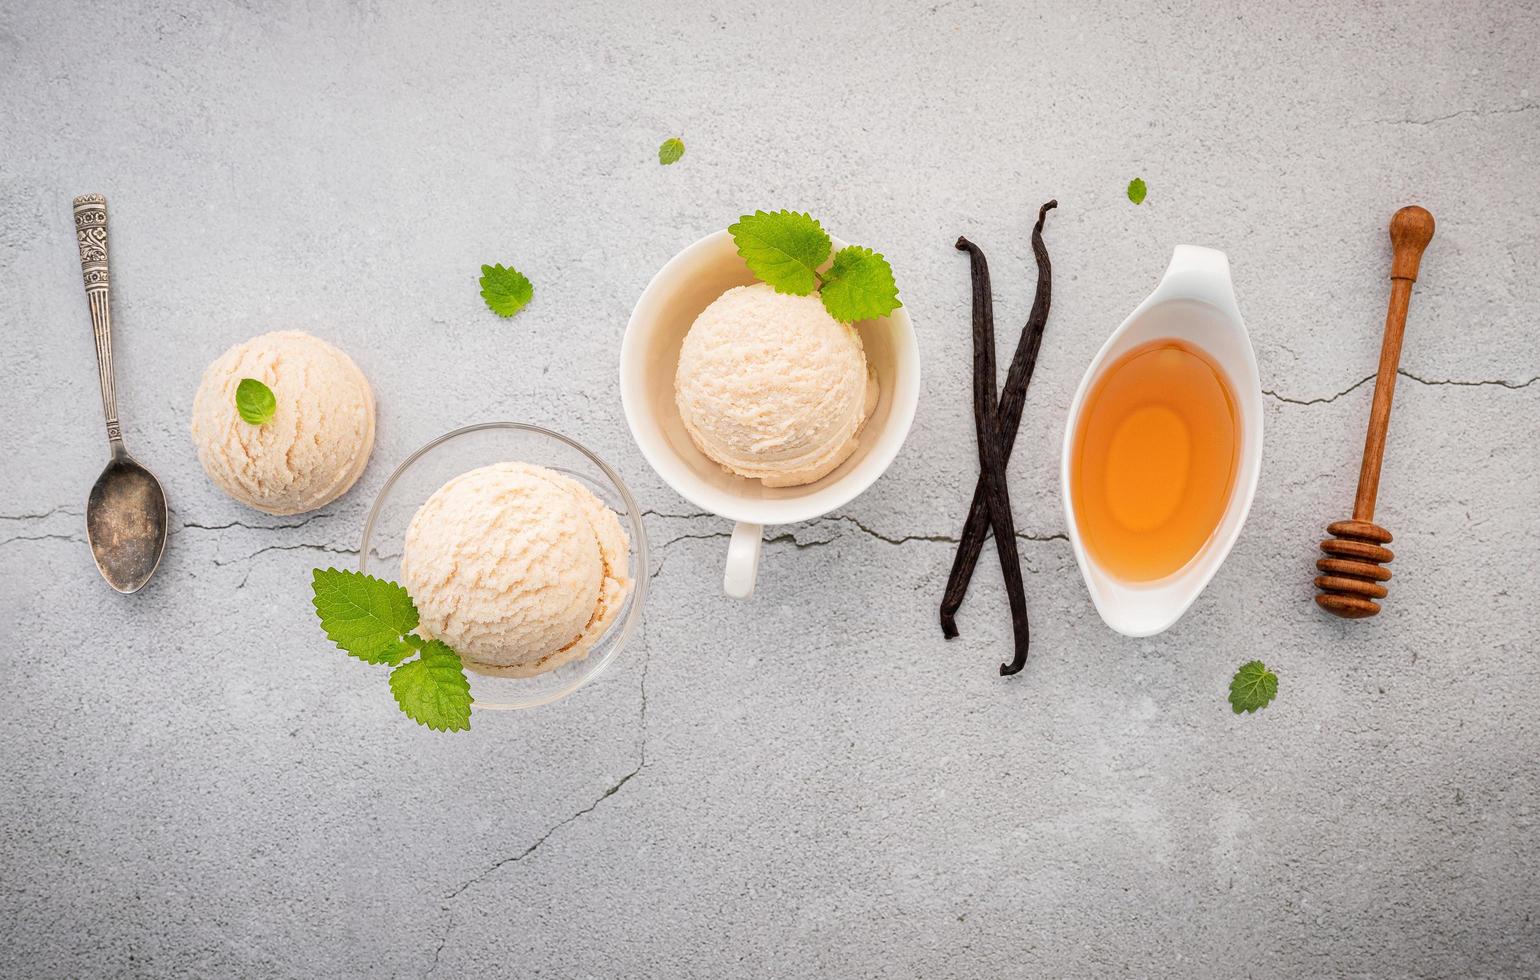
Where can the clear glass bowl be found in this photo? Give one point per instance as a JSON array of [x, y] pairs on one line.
[[462, 450]]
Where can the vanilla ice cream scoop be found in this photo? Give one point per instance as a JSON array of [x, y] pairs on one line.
[[317, 442], [773, 388], [518, 568]]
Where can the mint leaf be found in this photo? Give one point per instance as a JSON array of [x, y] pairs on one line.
[[1254, 687], [783, 249], [365, 616], [433, 689], [1137, 190], [255, 402], [373, 619], [671, 151], [505, 290], [859, 286]]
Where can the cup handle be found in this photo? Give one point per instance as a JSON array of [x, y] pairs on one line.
[[742, 560]]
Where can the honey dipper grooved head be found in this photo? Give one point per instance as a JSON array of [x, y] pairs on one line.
[[1352, 572]]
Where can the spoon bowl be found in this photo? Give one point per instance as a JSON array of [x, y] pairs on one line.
[[126, 521]]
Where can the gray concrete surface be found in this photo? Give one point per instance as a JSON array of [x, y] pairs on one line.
[[192, 783]]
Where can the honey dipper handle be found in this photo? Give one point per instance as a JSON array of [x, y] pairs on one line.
[[1410, 231]]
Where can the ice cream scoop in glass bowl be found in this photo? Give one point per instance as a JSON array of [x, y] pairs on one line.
[[515, 550]]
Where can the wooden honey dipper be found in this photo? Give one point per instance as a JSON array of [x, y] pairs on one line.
[[1353, 575]]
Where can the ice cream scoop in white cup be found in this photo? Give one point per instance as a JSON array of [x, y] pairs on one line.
[[649, 358]]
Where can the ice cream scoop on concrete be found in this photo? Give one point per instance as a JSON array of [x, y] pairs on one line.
[[316, 443], [516, 567], [773, 388]]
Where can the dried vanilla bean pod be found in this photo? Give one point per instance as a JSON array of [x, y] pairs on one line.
[[1012, 401], [991, 458]]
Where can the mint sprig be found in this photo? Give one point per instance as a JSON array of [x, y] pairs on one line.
[[1253, 687], [372, 619], [670, 151], [254, 401], [783, 248], [859, 286], [433, 689], [786, 250], [367, 617], [1137, 190], [506, 291]]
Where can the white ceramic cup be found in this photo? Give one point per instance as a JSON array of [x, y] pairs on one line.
[[649, 356]]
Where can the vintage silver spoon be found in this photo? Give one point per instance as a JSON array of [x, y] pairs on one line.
[[126, 513]]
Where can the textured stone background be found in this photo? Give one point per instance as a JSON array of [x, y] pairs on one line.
[[193, 784]]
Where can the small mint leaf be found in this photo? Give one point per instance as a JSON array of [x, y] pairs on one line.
[[365, 616], [1137, 190], [506, 291], [1253, 687], [671, 150], [255, 402], [782, 248], [859, 286], [433, 689]]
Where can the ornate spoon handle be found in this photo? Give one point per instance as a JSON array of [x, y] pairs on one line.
[[91, 234]]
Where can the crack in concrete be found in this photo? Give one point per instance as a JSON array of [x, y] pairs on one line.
[[791, 538], [905, 539], [43, 537], [695, 537], [515, 858], [442, 940], [1318, 401], [252, 527], [1500, 383], [1478, 113], [662, 558], [38, 517], [1055, 536], [941, 538], [677, 517], [326, 548], [642, 716], [641, 763], [785, 537]]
